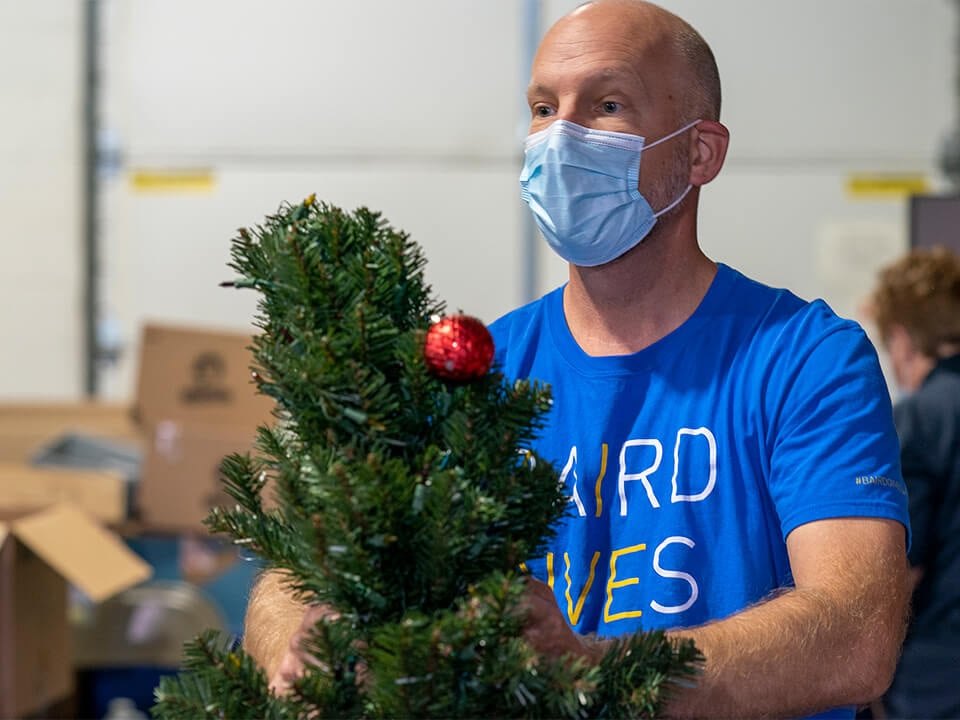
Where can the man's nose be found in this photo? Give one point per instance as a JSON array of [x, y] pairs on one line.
[[572, 113]]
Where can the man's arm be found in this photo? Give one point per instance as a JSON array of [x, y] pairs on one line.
[[276, 627], [831, 641], [273, 618]]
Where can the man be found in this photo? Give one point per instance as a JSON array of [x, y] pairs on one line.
[[916, 306], [728, 448]]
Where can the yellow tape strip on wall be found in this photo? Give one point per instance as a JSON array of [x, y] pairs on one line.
[[182, 180], [886, 185]]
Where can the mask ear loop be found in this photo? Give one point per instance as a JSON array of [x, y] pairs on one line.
[[673, 134], [679, 200], [676, 202]]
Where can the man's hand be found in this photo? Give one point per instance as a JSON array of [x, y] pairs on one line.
[[275, 627], [294, 661], [547, 630]]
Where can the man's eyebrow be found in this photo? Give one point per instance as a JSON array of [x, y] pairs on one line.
[[608, 75], [537, 89]]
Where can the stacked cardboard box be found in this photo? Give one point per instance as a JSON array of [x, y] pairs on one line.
[[196, 403], [53, 535], [26, 428]]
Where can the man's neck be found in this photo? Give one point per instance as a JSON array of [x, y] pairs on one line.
[[631, 303]]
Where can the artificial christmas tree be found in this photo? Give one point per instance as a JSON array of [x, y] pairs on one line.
[[406, 497]]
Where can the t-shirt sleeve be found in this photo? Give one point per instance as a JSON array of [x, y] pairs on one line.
[[834, 451]]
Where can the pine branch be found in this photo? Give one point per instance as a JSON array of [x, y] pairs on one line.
[[217, 683]]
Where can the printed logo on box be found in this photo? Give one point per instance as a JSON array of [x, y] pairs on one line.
[[209, 381]]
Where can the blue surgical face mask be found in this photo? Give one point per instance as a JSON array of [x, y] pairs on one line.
[[581, 185]]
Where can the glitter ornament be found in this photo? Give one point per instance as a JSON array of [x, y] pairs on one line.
[[458, 348]]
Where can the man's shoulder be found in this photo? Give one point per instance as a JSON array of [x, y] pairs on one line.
[[944, 379], [936, 403], [779, 310]]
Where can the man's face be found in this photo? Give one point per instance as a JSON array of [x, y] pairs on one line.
[[899, 349], [910, 365], [603, 71]]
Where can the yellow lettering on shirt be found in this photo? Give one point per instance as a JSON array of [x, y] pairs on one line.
[[573, 613], [603, 471], [613, 583]]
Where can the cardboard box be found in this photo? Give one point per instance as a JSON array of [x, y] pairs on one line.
[[40, 554], [100, 494], [180, 479], [199, 377], [27, 427], [41, 463], [196, 403]]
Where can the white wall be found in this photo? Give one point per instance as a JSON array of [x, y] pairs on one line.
[[40, 199], [412, 108], [408, 108]]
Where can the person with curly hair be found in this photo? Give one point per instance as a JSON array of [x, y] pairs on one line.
[[916, 307]]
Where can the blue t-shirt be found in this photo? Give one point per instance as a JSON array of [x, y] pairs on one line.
[[688, 463]]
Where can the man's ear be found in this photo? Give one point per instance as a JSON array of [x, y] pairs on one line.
[[709, 141]]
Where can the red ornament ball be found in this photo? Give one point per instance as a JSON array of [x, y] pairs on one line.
[[458, 348]]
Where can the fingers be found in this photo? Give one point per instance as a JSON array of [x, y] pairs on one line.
[[290, 669], [296, 658], [547, 629]]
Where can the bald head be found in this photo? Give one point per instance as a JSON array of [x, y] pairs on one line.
[[652, 31]]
